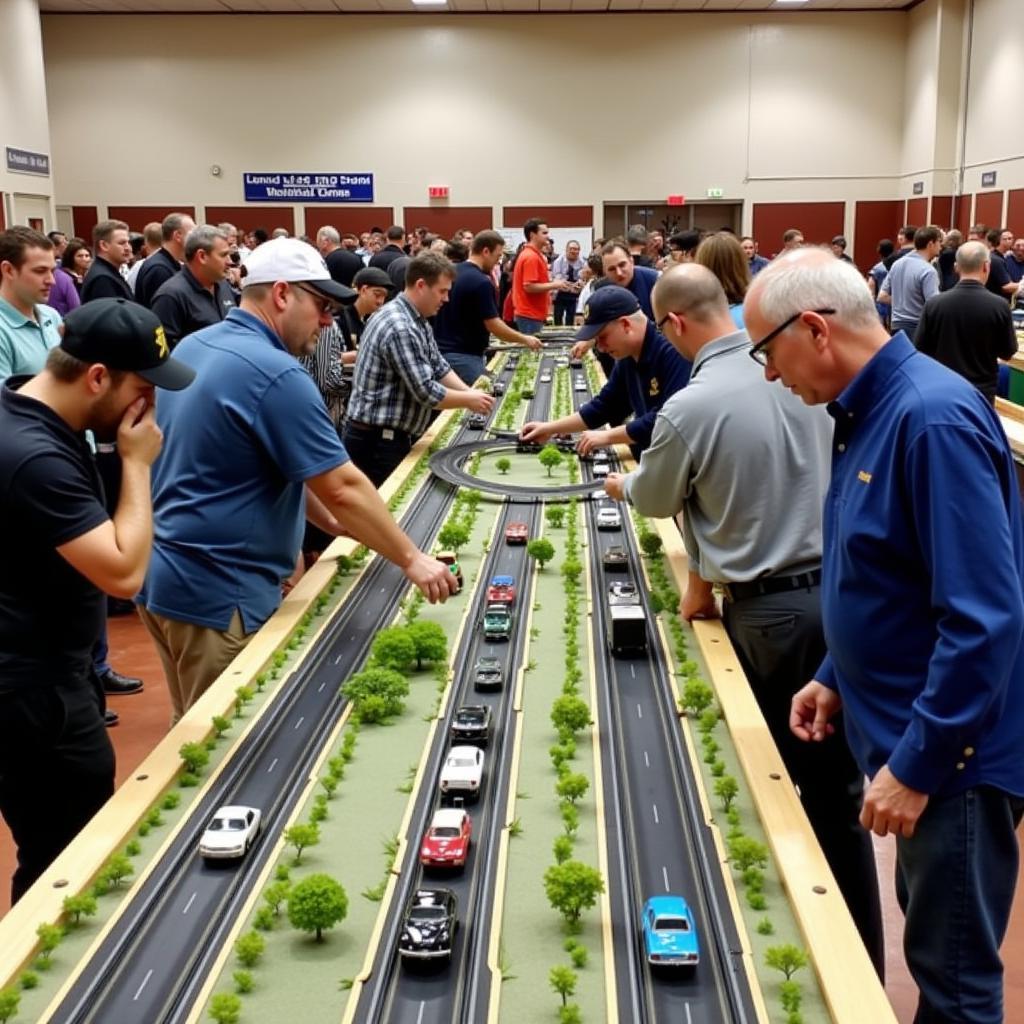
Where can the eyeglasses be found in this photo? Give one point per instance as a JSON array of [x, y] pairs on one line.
[[664, 320], [323, 305], [758, 351]]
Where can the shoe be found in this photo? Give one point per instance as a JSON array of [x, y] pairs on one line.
[[118, 685], [110, 718]]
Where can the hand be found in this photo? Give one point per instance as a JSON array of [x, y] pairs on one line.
[[699, 603], [592, 439], [534, 431], [615, 486], [436, 581], [479, 401], [811, 710], [889, 806], [139, 439], [564, 286], [532, 343], [580, 349]]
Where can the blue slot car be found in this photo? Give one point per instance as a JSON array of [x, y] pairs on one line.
[[670, 936]]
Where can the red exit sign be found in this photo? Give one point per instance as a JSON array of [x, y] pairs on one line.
[[676, 200], [437, 191]]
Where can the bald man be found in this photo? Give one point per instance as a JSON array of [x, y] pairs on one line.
[[746, 465]]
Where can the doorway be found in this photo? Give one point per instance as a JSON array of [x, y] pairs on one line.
[[31, 210], [712, 215]]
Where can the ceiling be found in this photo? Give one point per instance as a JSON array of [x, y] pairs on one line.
[[496, 6]]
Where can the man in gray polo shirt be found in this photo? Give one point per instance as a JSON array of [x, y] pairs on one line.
[[912, 281], [748, 470]]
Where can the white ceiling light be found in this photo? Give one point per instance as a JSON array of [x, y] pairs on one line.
[[430, 3]]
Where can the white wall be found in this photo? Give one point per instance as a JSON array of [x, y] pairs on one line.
[[504, 110]]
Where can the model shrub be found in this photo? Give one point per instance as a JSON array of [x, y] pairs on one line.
[[170, 801], [562, 849], [569, 715], [187, 780], [563, 981], [10, 999], [244, 982], [503, 465], [745, 852], [572, 787], [316, 904], [28, 979], [194, 756], [697, 696], [572, 887], [301, 837], [430, 642], [118, 868], [765, 927], [249, 948], [786, 958], [394, 648], [275, 894], [263, 919], [225, 1008], [49, 936], [541, 550], [377, 693], [220, 724], [84, 904]]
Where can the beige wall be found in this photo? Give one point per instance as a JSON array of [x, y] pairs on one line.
[[511, 109]]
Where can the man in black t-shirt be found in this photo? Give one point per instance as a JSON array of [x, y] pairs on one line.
[[63, 553], [999, 281], [464, 325]]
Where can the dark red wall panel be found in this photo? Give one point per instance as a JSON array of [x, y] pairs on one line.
[[873, 220], [917, 212], [356, 219], [988, 209], [942, 211], [84, 218], [555, 216], [446, 220], [819, 222], [249, 217], [137, 217], [1015, 211], [963, 214]]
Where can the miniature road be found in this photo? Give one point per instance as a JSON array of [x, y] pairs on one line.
[[151, 967]]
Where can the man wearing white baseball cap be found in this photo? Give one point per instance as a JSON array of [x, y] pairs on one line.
[[244, 463]]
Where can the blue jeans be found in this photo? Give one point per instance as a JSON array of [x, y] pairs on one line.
[[468, 367], [527, 326], [101, 652], [955, 880]]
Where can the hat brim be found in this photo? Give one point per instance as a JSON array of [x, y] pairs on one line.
[[331, 289], [171, 375], [589, 331]]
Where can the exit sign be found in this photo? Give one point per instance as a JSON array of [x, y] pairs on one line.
[[715, 193], [676, 200], [437, 191]]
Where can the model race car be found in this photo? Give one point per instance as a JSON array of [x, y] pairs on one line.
[[231, 833], [502, 590], [462, 773], [669, 934], [428, 931], [517, 532], [488, 673], [472, 722], [446, 844]]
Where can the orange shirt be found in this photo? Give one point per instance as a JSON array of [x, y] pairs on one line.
[[531, 268]]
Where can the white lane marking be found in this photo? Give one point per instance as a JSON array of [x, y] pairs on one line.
[[149, 974], [664, 874], [639, 711], [656, 821], [300, 721], [419, 1016], [689, 1019], [338, 658], [382, 589], [191, 900], [273, 765], [647, 760], [632, 671], [320, 688]]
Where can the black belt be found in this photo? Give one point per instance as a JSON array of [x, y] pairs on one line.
[[771, 585]]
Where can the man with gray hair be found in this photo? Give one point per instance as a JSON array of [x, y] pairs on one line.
[[968, 328], [342, 264], [167, 260], [923, 611], [198, 295], [746, 466]]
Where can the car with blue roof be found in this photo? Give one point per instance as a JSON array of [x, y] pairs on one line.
[[669, 933]]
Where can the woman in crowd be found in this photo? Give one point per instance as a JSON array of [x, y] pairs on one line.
[[723, 255]]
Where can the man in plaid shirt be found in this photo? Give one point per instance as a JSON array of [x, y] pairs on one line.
[[401, 378]]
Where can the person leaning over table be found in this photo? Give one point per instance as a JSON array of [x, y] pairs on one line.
[[66, 553], [923, 610], [746, 465], [245, 461]]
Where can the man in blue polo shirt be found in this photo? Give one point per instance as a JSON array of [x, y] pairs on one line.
[[647, 371], [923, 608], [243, 465], [28, 327]]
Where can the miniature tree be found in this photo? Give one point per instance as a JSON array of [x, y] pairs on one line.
[[82, 905], [572, 787], [394, 648], [317, 903], [49, 939], [650, 544], [430, 642], [541, 549], [194, 756], [377, 693], [249, 948], [118, 869], [697, 696], [277, 893], [726, 789], [244, 982], [569, 714], [301, 837], [549, 457], [572, 569], [745, 852], [10, 998], [555, 516], [220, 725], [563, 981], [562, 849], [454, 536], [787, 958], [570, 1014], [708, 721], [225, 1008], [572, 887], [344, 565], [503, 465]]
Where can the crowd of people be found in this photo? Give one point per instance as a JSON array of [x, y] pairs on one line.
[[807, 425]]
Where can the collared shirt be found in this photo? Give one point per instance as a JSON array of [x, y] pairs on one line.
[[639, 386], [757, 264], [745, 461], [161, 266], [228, 488], [398, 372], [561, 267], [24, 342], [185, 306], [64, 293], [911, 283], [922, 595], [1014, 267], [104, 281]]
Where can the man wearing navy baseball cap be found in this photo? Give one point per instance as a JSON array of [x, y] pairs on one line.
[[647, 371], [64, 553]]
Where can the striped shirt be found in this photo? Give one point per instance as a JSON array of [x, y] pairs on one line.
[[398, 372]]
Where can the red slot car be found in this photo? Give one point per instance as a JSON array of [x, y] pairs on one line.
[[446, 844], [516, 533]]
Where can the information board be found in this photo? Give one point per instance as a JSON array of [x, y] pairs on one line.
[[273, 186]]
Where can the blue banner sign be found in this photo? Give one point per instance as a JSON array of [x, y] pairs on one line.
[[26, 162], [308, 188]]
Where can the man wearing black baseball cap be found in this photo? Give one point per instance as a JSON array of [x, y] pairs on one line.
[[64, 554], [647, 371]]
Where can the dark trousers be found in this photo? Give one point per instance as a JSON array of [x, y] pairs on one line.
[[374, 452], [909, 327], [565, 308], [955, 880], [56, 769], [779, 642]]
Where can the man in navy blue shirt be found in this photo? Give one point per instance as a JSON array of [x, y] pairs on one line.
[[647, 371], [923, 609]]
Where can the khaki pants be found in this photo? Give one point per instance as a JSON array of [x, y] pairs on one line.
[[192, 656]]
